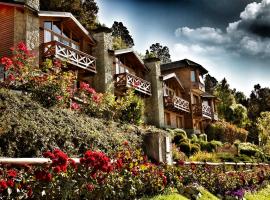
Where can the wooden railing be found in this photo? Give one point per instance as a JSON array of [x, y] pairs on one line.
[[198, 86], [70, 55], [176, 102], [131, 81], [202, 110]]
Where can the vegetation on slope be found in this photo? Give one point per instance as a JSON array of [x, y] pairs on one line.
[[27, 129]]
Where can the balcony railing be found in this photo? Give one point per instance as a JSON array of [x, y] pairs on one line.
[[198, 86], [131, 81], [70, 55], [176, 103], [202, 110]]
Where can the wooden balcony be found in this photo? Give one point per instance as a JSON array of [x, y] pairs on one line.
[[127, 80], [202, 110], [198, 86], [176, 103], [69, 55]]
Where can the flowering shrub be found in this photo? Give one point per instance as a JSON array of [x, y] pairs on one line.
[[126, 174], [20, 67]]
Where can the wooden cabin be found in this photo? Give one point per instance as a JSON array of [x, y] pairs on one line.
[[49, 34], [130, 72], [202, 106]]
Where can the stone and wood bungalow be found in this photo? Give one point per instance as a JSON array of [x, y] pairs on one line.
[[173, 93]]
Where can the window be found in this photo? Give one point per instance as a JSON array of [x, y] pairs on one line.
[[167, 119], [179, 122], [193, 77]]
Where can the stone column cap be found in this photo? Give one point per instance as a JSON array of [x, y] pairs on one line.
[[154, 59]]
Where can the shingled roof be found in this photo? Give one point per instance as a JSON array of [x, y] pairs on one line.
[[181, 64]]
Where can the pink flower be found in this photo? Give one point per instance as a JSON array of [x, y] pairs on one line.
[[59, 98], [96, 98], [75, 106], [90, 187]]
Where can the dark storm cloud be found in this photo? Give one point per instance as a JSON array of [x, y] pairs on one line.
[[249, 35]]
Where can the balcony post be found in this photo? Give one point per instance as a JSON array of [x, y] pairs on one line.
[[154, 108], [103, 80]]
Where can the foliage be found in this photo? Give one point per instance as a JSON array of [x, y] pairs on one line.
[[85, 11], [20, 68], [118, 43], [162, 52], [210, 83], [120, 31], [263, 124], [263, 194], [21, 119], [226, 132], [237, 114], [178, 135], [204, 157]]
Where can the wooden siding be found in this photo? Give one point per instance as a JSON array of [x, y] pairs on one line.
[[6, 29]]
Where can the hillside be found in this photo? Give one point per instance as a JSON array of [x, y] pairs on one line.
[[27, 129]]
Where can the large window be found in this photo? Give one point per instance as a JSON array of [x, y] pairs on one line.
[[121, 68], [193, 76], [179, 122], [54, 32]]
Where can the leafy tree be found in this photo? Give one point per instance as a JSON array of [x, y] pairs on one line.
[[118, 43], [263, 124], [85, 11], [120, 31], [162, 52], [241, 98], [224, 93], [210, 83], [237, 114]]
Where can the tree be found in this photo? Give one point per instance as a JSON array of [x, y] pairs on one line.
[[210, 83], [120, 31], [162, 52], [237, 114], [263, 124], [85, 11], [241, 98]]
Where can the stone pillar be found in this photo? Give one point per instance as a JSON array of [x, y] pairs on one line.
[[103, 80], [154, 108], [26, 26]]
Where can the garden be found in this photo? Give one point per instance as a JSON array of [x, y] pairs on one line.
[[106, 134]]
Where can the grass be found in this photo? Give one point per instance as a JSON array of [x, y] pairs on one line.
[[206, 195], [173, 196], [263, 194]]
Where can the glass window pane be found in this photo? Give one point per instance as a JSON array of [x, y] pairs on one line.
[[193, 79], [56, 29], [47, 36], [48, 25]]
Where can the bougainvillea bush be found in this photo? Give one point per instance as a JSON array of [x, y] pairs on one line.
[[126, 174]]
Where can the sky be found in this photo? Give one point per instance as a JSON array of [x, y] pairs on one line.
[[230, 38]]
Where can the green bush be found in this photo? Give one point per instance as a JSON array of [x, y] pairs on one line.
[[194, 148], [225, 132], [179, 136], [46, 95], [207, 146], [27, 129], [185, 147]]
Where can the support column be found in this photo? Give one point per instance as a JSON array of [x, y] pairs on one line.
[[154, 108], [103, 80]]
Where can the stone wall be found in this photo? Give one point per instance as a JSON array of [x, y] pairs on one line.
[[103, 80], [154, 108]]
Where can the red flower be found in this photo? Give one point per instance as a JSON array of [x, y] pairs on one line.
[[181, 162], [164, 179], [125, 143], [3, 185], [12, 173], [11, 77], [43, 176], [57, 169], [84, 86], [96, 98], [91, 90], [59, 98], [49, 154], [73, 163], [22, 47], [30, 192], [10, 183], [90, 187], [75, 106], [7, 62], [57, 63]]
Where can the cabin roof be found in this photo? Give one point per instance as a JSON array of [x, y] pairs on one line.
[[69, 16], [173, 76], [181, 64], [131, 56]]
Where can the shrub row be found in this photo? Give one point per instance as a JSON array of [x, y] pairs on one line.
[[226, 132]]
